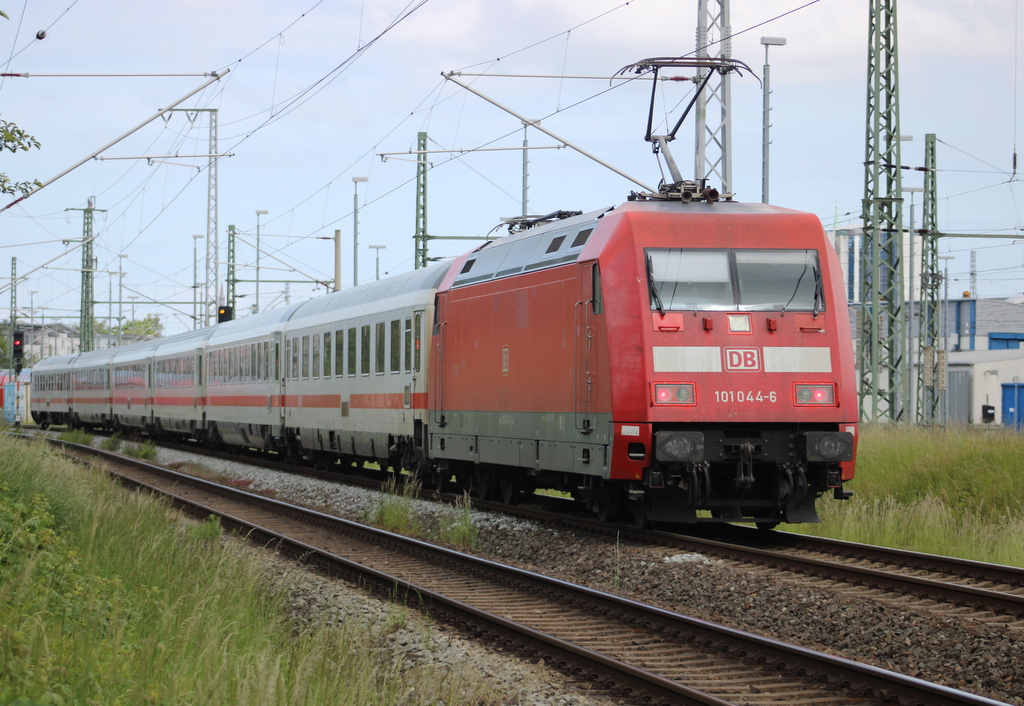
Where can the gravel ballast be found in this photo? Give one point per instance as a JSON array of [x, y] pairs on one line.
[[863, 625]]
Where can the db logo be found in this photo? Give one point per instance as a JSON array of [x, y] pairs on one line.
[[746, 359]]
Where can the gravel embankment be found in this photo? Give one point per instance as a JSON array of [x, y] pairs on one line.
[[979, 658]]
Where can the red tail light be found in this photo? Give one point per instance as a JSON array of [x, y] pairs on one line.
[[814, 395], [674, 393]]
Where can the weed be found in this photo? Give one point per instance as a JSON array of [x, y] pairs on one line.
[[208, 532], [112, 443], [76, 436], [145, 451], [394, 509], [617, 578], [457, 527]]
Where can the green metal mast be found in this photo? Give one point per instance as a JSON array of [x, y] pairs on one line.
[[86, 324], [881, 358], [420, 258], [930, 350]]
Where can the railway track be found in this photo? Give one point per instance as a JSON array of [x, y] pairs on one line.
[[644, 653], [991, 593]]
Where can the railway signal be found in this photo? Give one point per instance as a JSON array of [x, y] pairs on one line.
[[18, 349]]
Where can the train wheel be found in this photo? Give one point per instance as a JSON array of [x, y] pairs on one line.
[[442, 479], [639, 509], [509, 491], [606, 510], [481, 485]]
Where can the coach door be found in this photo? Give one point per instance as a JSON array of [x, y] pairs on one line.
[[583, 382], [437, 401]]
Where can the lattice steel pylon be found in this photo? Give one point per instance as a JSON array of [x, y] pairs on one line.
[[86, 323], [881, 356], [420, 258], [713, 153], [929, 343]]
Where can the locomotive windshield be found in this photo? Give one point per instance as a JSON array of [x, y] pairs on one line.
[[735, 280]]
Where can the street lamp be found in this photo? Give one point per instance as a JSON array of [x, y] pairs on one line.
[[195, 280], [378, 248], [32, 313], [258, 214], [767, 42], [355, 229], [134, 326]]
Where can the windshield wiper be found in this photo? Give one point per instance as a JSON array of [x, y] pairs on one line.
[[819, 292], [652, 285], [797, 287]]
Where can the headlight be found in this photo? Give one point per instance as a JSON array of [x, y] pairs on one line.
[[679, 446], [829, 446]]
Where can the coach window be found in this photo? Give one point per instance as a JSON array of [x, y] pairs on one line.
[[364, 349], [381, 353], [277, 361], [417, 335], [295, 358], [316, 355], [408, 345], [396, 346], [305, 357], [350, 345], [254, 362], [339, 352], [327, 354]]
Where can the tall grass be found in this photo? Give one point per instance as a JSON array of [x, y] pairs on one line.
[[456, 526], [76, 436], [394, 508], [107, 597], [954, 491]]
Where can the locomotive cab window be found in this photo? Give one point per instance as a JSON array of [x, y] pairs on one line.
[[738, 280]]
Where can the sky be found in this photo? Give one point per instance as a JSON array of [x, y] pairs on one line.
[[315, 91]]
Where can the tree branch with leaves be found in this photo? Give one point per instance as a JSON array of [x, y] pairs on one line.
[[14, 139]]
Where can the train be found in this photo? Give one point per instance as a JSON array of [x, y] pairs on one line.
[[672, 360]]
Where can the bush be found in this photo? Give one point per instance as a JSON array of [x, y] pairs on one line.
[[112, 443], [145, 451]]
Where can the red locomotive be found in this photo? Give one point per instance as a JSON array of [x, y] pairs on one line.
[[675, 361]]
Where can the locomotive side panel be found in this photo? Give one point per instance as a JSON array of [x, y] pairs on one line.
[[520, 380]]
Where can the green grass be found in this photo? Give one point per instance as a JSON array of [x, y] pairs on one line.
[[76, 436], [112, 443], [145, 450], [108, 597], [393, 510], [456, 526], [954, 491]]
